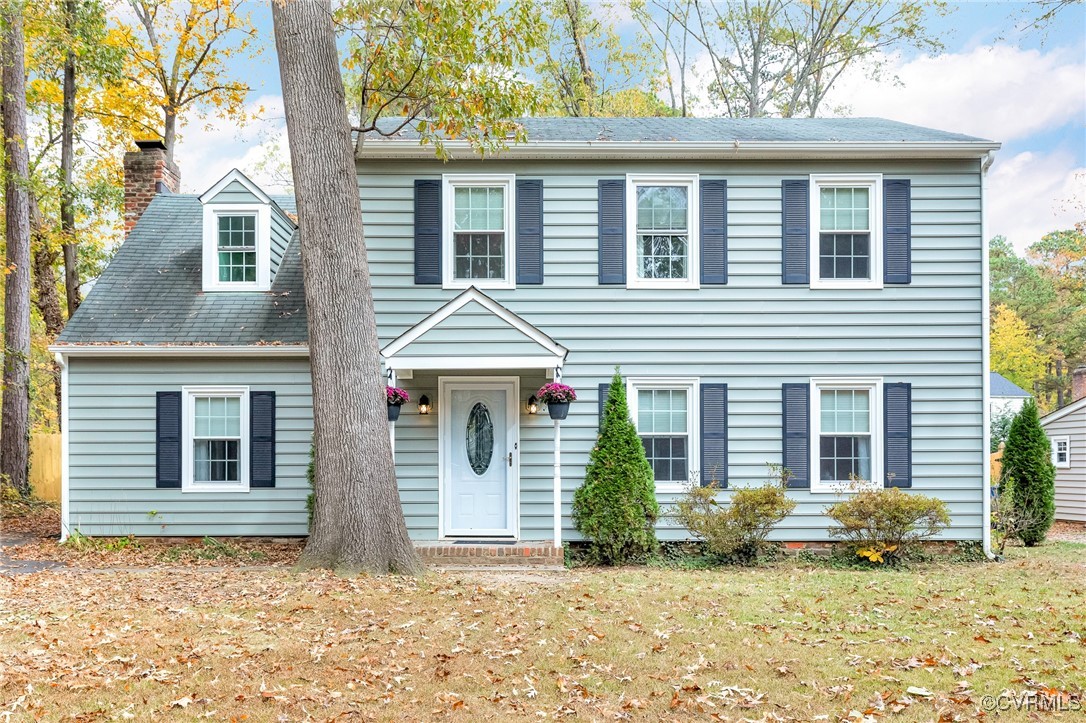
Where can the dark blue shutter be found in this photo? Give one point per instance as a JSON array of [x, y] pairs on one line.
[[427, 232], [796, 433], [168, 439], [529, 231], [612, 231], [896, 232], [897, 406], [714, 434], [795, 227], [604, 390], [714, 232], [261, 439]]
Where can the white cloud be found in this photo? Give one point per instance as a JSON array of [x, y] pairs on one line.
[[998, 92], [1030, 194], [209, 148]]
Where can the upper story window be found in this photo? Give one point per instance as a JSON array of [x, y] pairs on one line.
[[215, 424], [662, 236], [237, 247], [663, 412], [1061, 452], [845, 231], [845, 432], [478, 220]]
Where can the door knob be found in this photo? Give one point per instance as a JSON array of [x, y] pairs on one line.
[[510, 459]]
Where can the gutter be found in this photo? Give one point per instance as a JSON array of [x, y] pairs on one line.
[[986, 514], [153, 350], [413, 149]]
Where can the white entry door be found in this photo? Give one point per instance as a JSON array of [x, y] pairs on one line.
[[479, 458]]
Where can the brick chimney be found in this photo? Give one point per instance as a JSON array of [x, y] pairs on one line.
[[1078, 383], [146, 173]]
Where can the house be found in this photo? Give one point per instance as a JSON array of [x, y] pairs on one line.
[[1005, 396], [1066, 430], [808, 292]]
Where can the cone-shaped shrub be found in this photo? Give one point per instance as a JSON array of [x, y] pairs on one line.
[[1027, 463], [616, 506]]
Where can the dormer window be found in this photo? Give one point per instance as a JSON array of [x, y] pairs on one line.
[[237, 247], [245, 235]]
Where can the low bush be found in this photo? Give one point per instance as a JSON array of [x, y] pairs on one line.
[[84, 543], [736, 531], [880, 524]]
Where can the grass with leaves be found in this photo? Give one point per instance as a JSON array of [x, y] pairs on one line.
[[792, 641]]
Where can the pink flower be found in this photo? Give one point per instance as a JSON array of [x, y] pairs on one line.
[[397, 396], [556, 393]]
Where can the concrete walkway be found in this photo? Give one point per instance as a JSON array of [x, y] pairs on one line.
[[9, 566]]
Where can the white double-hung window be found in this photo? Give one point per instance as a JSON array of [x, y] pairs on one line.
[[662, 231], [215, 425], [478, 231], [664, 412], [846, 237], [845, 432], [1061, 452]]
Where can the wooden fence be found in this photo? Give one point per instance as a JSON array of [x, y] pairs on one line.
[[45, 466]]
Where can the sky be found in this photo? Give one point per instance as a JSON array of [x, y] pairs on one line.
[[1026, 90]]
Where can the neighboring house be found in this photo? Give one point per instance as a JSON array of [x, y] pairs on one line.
[[1005, 396], [1066, 429], [805, 292]]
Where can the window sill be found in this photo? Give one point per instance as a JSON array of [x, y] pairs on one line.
[[846, 284], [844, 488], [671, 488], [218, 489], [235, 288], [657, 284], [480, 284]]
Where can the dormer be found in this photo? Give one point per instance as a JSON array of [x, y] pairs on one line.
[[245, 235]]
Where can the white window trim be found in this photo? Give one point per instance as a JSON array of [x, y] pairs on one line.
[[874, 384], [691, 181], [692, 420], [212, 212], [1066, 439], [188, 414], [449, 182], [873, 181]]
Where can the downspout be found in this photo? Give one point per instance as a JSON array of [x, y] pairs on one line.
[[65, 506], [986, 515]]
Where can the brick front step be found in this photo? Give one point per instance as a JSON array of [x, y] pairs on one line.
[[533, 554]]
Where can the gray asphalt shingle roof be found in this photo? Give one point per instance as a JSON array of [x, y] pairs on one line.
[[151, 293], [723, 130], [1003, 387]]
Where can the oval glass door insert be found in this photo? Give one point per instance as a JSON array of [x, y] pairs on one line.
[[479, 438]]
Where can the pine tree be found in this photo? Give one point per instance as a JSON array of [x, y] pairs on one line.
[[1027, 463], [616, 506]]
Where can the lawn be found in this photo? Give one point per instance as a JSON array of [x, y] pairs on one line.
[[791, 642]]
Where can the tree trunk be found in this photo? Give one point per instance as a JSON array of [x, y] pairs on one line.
[[45, 286], [169, 133], [580, 46], [358, 522], [67, 160], [15, 416]]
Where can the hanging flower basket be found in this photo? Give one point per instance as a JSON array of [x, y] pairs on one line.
[[557, 397], [396, 398]]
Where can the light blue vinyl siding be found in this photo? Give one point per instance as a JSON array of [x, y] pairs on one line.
[[233, 192], [753, 334], [473, 331], [112, 449]]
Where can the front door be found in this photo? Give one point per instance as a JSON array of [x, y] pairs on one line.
[[479, 460]]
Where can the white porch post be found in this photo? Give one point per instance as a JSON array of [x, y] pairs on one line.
[[557, 473], [391, 424], [557, 484]]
